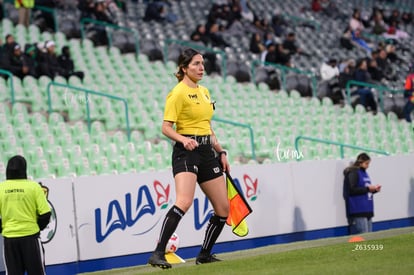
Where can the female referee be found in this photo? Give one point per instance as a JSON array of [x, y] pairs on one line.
[[190, 108]]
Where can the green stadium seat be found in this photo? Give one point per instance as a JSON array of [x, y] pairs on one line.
[[64, 168], [103, 166], [82, 166], [42, 170]]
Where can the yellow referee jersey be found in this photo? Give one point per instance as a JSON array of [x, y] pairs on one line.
[[21, 202], [191, 109]]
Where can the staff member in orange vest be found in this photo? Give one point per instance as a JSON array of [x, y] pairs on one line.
[[409, 94]]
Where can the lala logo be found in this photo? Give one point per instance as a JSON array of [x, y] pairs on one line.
[[251, 187], [163, 194], [120, 215]]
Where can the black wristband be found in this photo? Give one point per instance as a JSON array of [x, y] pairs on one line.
[[222, 152]]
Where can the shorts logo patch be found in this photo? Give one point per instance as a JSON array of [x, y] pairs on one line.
[[216, 170]]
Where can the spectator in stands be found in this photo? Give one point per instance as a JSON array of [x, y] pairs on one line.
[[316, 5], [346, 39], [275, 53], [30, 60], [366, 97], [385, 66], [97, 32], [329, 78], [409, 94], [406, 18], [157, 11], [278, 25], [359, 40], [375, 72], [329, 70], [346, 73], [355, 23], [50, 65], [394, 17], [328, 7], [9, 44], [290, 45], [122, 5], [154, 11], [194, 160], [66, 63], [268, 37], [269, 54], [200, 35], [15, 63], [379, 27], [395, 33], [216, 36], [256, 43], [392, 55], [25, 7], [1, 53], [358, 194], [246, 11], [86, 8]]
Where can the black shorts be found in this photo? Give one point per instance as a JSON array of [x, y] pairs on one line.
[[201, 161]]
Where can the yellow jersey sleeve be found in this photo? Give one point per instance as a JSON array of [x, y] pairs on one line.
[[191, 109]]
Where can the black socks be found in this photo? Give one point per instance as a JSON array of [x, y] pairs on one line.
[[169, 225], [214, 228]]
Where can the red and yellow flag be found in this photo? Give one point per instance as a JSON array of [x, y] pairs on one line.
[[239, 209]]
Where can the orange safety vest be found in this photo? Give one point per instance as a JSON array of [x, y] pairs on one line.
[[409, 86]]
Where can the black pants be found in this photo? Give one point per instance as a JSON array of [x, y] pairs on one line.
[[24, 254]]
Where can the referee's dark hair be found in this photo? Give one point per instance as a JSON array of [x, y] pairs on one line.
[[183, 61]]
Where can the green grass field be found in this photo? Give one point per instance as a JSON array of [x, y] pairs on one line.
[[383, 252]]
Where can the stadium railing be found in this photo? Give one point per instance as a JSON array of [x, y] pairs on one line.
[[112, 27], [168, 42], [11, 85], [238, 124], [87, 92], [284, 71], [53, 12], [381, 89], [340, 144]]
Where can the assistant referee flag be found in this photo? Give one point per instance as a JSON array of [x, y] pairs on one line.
[[239, 209]]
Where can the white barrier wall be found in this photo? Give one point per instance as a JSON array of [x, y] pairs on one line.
[[114, 215]]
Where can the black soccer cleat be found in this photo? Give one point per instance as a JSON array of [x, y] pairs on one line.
[[157, 259], [201, 259]]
